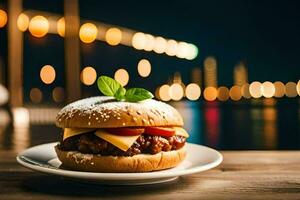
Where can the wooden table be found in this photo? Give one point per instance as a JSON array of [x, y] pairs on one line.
[[242, 175]]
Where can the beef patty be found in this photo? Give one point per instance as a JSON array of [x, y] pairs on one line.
[[147, 144]]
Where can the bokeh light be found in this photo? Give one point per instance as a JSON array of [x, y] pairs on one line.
[[192, 52], [38, 26], [235, 93], [160, 45], [156, 93], [172, 47], [4, 95], [210, 93], [182, 50], [176, 91], [268, 89], [47, 74], [192, 91], [298, 87], [113, 36], [23, 22], [88, 32], [245, 91], [255, 89], [139, 41], [223, 93], [60, 26], [3, 18], [36, 95], [58, 94], [88, 75], [122, 76], [149, 42], [291, 89], [279, 89], [164, 93], [144, 68]]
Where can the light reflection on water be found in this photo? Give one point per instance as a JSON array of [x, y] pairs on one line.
[[239, 125], [256, 125]]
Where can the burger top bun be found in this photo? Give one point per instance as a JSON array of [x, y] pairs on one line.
[[106, 112]]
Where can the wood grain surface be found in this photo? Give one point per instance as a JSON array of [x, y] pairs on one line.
[[242, 175]]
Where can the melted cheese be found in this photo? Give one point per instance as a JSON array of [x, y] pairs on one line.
[[122, 142], [180, 131], [70, 132]]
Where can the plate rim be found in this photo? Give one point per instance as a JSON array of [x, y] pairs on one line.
[[118, 176]]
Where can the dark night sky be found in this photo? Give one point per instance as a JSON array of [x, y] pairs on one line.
[[266, 34]]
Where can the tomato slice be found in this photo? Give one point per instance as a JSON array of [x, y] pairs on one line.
[[126, 131], [160, 131]]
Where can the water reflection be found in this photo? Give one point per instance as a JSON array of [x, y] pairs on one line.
[[192, 120], [212, 123], [270, 127], [258, 124], [267, 124]]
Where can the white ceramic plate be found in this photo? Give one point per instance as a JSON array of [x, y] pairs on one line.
[[43, 158]]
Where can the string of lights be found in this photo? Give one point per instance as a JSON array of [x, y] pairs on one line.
[[41, 23]]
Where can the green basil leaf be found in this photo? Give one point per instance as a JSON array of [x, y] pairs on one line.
[[120, 94], [108, 86], [137, 94]]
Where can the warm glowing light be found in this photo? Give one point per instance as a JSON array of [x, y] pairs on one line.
[[47, 74], [38, 26], [172, 47], [164, 93], [160, 45], [144, 68], [156, 93], [20, 117], [88, 32], [268, 89], [192, 91], [3, 18], [23, 22], [235, 93], [210, 71], [149, 42], [4, 96], [291, 89], [255, 89], [210, 93], [298, 87], [113, 36], [36, 95], [192, 52], [60, 26], [245, 91], [223, 93], [269, 102], [139, 41], [88, 76], [58, 94], [176, 91], [279, 89], [122, 76], [182, 50]]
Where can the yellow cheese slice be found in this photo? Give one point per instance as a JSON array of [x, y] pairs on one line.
[[69, 132], [180, 131], [122, 142]]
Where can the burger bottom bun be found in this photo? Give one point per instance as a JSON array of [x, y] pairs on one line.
[[137, 163]]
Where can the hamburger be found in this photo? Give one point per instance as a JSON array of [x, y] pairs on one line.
[[101, 134]]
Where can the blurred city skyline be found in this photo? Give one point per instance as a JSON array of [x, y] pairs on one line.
[[231, 33]]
